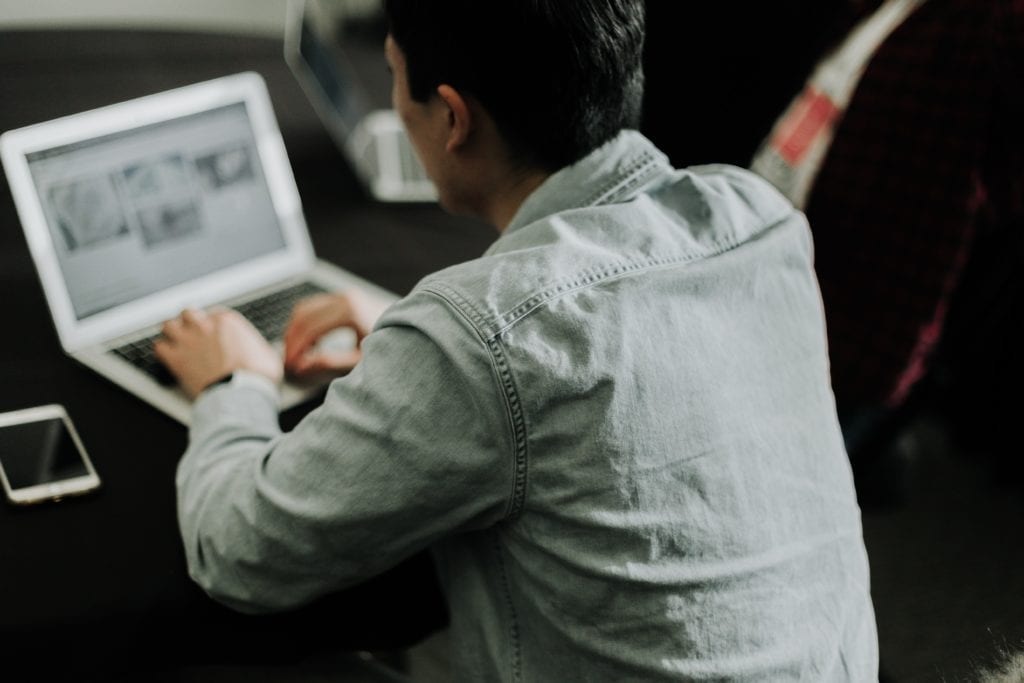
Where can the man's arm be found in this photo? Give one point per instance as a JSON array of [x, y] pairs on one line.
[[412, 445]]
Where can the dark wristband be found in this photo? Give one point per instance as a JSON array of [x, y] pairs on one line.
[[223, 380]]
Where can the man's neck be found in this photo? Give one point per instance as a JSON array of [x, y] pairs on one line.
[[507, 200]]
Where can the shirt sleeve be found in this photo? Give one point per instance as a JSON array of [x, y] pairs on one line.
[[413, 445]]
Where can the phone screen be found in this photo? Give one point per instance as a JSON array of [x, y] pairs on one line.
[[41, 452]]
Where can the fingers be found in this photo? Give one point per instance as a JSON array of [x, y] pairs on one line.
[[311, 319], [167, 349], [202, 346], [190, 319], [193, 317], [172, 328], [174, 331], [230, 318], [162, 350], [324, 363], [199, 345]]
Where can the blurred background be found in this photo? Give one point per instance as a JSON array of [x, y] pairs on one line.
[[253, 17]]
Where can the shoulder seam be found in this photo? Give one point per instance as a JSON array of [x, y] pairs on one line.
[[506, 384], [612, 271]]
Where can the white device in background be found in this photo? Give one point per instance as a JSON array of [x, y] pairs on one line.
[[41, 456], [374, 141]]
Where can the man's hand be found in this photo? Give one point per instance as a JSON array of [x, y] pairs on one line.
[[316, 316], [200, 347]]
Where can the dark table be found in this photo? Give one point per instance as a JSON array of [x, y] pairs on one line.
[[99, 581]]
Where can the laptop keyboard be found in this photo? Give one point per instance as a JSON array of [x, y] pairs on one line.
[[140, 354], [269, 314]]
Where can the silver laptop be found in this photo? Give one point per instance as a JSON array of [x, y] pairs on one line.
[[373, 140], [184, 198]]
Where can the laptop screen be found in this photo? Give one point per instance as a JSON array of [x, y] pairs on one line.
[[145, 209]]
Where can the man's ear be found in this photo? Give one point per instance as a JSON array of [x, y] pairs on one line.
[[460, 118]]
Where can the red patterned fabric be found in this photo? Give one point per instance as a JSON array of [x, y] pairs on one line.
[[926, 144]]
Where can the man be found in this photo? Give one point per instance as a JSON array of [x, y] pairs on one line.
[[614, 429]]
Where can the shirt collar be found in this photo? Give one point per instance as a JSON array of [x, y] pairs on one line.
[[612, 172]]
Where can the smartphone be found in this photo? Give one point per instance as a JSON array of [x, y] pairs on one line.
[[41, 456]]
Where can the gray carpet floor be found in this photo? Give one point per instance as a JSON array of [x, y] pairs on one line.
[[947, 562]]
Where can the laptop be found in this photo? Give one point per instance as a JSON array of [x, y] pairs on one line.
[[373, 141], [137, 210]]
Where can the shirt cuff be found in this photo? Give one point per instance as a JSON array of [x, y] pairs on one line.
[[246, 398], [246, 378]]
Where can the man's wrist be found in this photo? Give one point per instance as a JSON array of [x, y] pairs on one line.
[[226, 379], [244, 378]]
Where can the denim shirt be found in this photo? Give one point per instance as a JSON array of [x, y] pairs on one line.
[[615, 430]]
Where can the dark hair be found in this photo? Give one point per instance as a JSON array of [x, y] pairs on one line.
[[559, 77]]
